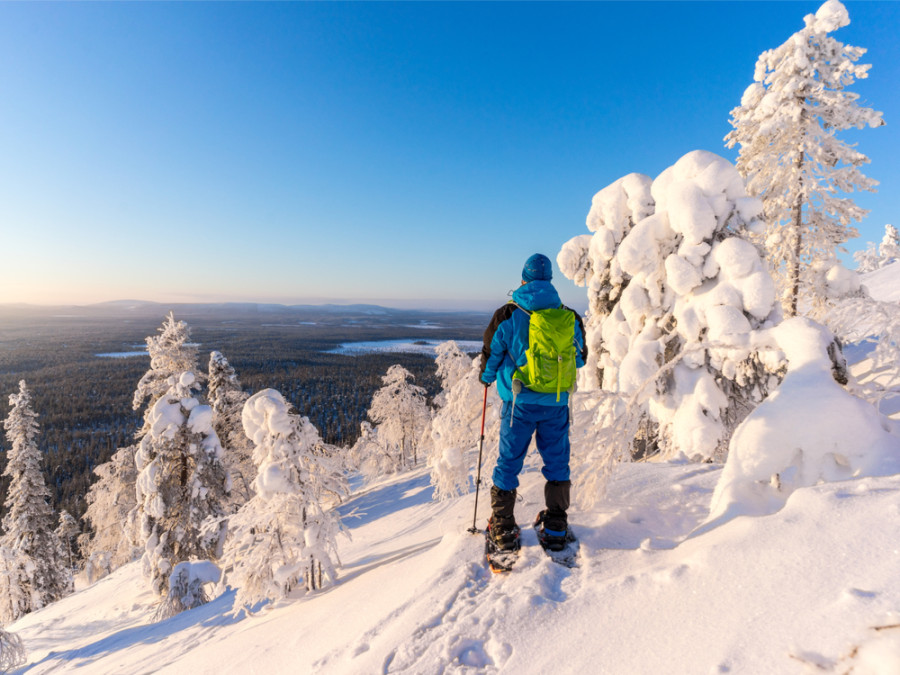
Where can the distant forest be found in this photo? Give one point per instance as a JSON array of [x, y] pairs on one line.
[[84, 400]]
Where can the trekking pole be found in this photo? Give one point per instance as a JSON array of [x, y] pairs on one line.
[[474, 529]]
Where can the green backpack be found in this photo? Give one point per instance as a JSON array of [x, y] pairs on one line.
[[551, 352]]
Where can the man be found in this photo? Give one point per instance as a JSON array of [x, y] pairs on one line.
[[526, 412]]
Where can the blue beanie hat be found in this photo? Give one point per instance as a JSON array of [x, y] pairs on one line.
[[537, 268]]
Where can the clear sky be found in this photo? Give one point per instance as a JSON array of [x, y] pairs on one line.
[[398, 153]]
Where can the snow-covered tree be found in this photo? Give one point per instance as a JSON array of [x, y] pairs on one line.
[[452, 366], [876, 257], [790, 154], [227, 398], [66, 532], [28, 523], [111, 514], [181, 484], [857, 317], [187, 588], [401, 414], [171, 354], [283, 539], [368, 455], [590, 260], [12, 651], [890, 246], [676, 341], [456, 429], [15, 585]]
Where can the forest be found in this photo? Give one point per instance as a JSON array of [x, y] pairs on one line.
[[84, 401]]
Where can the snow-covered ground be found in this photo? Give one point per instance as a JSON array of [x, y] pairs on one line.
[[814, 586], [884, 284]]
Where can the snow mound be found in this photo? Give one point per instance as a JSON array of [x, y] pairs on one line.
[[810, 430], [884, 284]]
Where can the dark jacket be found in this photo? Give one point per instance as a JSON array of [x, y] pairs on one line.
[[506, 340]]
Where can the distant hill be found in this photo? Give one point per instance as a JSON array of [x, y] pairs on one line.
[[324, 313]]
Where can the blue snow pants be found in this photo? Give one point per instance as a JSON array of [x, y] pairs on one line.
[[550, 426]]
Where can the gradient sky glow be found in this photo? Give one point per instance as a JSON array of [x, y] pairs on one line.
[[398, 153]]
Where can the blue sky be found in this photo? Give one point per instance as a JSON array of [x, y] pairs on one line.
[[400, 153]]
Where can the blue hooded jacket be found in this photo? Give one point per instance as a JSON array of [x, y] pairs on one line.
[[506, 341]]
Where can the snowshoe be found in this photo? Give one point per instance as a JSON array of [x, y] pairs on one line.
[[561, 547], [501, 548]]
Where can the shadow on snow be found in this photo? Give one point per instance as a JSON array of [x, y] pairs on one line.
[[385, 500], [215, 613]]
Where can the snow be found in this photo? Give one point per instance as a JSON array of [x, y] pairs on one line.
[[810, 430], [808, 584], [884, 284]]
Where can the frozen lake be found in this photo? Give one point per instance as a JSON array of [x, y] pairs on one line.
[[121, 355], [410, 346]]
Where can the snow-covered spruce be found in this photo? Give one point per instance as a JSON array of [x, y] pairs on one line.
[[283, 539], [456, 425], [182, 483], [882, 255], [112, 511], [676, 340], [66, 532], [32, 556], [792, 158], [227, 398]]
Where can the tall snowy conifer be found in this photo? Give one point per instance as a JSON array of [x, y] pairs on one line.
[[791, 157], [401, 414], [28, 523], [227, 400], [112, 509], [283, 539], [182, 482]]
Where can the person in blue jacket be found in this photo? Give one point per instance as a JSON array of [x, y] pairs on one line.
[[528, 413]]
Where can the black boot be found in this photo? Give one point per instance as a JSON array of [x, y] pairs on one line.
[[552, 522], [502, 525]]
